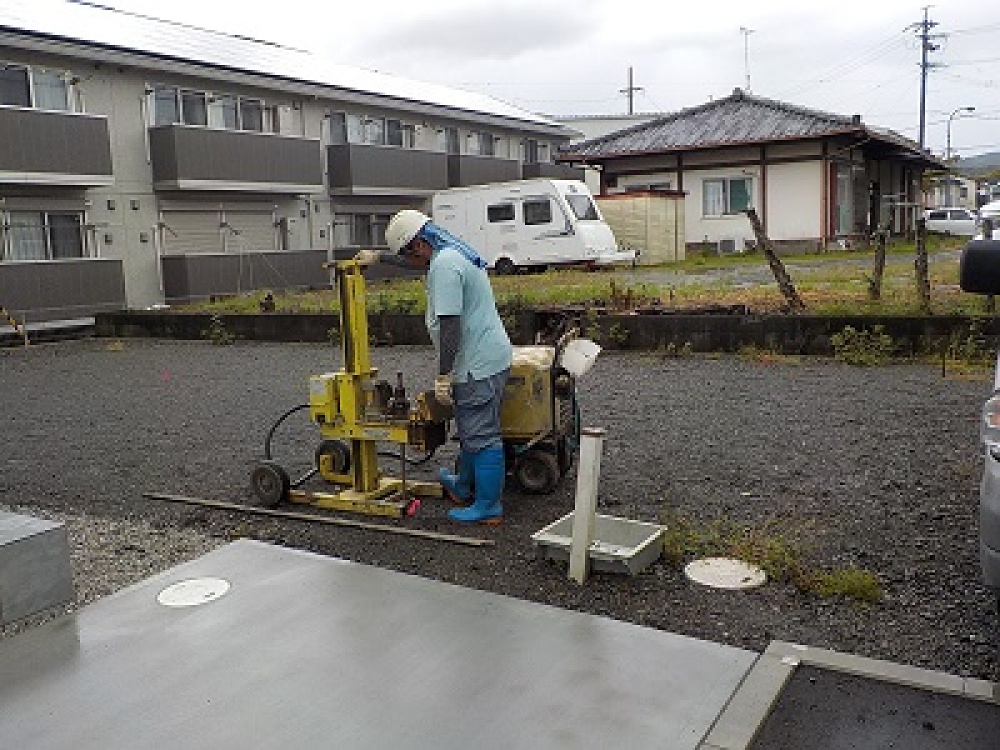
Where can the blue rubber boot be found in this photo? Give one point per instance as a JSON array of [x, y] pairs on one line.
[[489, 472], [458, 487]]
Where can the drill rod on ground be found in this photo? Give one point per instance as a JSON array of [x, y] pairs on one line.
[[291, 515]]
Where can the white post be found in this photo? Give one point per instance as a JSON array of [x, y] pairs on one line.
[[587, 476]]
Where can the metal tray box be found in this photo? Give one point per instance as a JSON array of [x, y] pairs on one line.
[[620, 545]]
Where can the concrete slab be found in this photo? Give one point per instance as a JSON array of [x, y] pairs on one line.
[[303, 651], [35, 572]]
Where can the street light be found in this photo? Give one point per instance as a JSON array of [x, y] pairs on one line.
[[947, 153]]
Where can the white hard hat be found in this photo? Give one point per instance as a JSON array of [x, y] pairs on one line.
[[403, 227]]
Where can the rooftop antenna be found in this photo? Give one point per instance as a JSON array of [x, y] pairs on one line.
[[746, 32], [630, 91]]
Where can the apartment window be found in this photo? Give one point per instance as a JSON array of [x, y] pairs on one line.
[[368, 230], [21, 86], [43, 235], [481, 143], [374, 131], [194, 108], [722, 197], [500, 212], [537, 211], [172, 105], [448, 141], [14, 87], [529, 151], [51, 90], [251, 115], [166, 107], [222, 112], [398, 133]]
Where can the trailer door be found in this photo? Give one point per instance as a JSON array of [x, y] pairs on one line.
[[549, 232]]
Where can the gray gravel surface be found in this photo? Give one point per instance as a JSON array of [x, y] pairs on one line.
[[870, 467]]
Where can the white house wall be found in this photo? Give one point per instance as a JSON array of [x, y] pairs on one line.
[[712, 229], [794, 200]]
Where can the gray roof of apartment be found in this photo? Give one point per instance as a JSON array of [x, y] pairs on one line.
[[738, 119], [79, 21]]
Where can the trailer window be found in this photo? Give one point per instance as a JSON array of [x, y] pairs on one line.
[[500, 212], [537, 211], [583, 208]]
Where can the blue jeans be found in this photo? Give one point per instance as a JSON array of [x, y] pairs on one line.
[[477, 411]]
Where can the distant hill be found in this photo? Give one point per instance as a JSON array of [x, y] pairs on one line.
[[979, 165]]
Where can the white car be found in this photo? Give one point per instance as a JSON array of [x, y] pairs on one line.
[[958, 221], [990, 211]]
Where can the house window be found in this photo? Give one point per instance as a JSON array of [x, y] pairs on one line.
[[500, 212], [537, 211], [722, 197], [43, 235]]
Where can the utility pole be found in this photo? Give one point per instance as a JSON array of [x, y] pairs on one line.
[[923, 29], [630, 92], [746, 54]]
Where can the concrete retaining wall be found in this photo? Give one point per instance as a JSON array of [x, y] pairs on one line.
[[788, 334]]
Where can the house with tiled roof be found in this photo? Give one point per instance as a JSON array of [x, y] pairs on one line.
[[816, 179]]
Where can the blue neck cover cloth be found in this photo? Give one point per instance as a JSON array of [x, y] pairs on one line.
[[438, 238]]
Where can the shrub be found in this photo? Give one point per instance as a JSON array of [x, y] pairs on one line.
[[862, 348]]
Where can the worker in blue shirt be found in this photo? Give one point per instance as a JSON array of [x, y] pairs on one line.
[[474, 358]]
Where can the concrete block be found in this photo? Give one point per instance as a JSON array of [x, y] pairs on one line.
[[35, 572]]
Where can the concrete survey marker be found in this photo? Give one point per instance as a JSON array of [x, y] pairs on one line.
[[192, 592], [724, 573]]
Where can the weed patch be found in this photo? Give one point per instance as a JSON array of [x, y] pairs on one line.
[[777, 552]]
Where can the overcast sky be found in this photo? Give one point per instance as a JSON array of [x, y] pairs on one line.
[[571, 57]]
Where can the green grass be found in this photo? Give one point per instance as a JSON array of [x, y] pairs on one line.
[[827, 289], [776, 548]]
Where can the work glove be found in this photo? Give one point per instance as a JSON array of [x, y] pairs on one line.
[[442, 390], [366, 257]]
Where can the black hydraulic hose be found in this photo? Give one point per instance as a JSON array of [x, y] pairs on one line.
[[282, 418], [267, 445]]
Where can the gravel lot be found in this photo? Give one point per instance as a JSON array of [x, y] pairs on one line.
[[871, 467]]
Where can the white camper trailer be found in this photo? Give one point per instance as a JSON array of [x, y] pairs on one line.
[[530, 224]]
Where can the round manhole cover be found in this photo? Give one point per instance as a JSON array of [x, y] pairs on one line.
[[192, 592], [724, 573]]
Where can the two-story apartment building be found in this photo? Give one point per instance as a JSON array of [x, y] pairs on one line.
[[145, 161]]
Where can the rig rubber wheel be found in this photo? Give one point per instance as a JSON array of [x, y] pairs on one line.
[[270, 483], [339, 453], [537, 472]]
